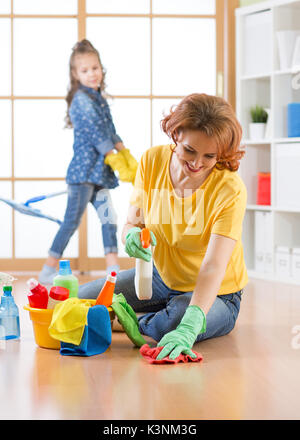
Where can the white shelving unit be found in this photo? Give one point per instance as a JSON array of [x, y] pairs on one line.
[[259, 80]]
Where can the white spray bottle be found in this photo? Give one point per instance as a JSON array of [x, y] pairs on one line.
[[143, 270]]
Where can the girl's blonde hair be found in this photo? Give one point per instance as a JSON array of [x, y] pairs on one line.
[[83, 47], [213, 116]]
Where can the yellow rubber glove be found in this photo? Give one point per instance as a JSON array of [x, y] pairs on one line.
[[118, 163], [131, 162]]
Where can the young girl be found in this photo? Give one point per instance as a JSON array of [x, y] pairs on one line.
[[91, 171]]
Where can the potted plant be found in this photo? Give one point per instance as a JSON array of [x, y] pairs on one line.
[[259, 118]]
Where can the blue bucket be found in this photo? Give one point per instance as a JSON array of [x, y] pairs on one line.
[[293, 119]]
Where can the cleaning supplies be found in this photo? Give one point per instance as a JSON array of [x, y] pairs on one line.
[[6, 279], [57, 294], [9, 316], [65, 278], [38, 296], [105, 296], [69, 320], [143, 270], [96, 337]]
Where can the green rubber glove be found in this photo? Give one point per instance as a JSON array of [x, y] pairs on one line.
[[133, 245], [128, 319], [181, 340]]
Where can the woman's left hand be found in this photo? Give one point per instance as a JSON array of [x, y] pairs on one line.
[[182, 339]]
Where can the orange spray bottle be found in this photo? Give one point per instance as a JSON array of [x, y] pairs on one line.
[[143, 270], [105, 296]]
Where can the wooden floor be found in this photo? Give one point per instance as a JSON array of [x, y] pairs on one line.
[[252, 373]]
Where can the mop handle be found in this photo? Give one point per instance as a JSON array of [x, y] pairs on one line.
[[47, 196]]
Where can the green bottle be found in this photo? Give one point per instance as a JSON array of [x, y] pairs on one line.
[[65, 278]]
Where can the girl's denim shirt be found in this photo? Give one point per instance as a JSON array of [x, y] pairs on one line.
[[94, 136]]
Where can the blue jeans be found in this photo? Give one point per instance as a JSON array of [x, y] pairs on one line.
[[79, 195], [164, 311]]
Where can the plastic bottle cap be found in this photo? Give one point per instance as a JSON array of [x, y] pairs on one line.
[[59, 293], [145, 238], [32, 283], [64, 267], [113, 274], [7, 290]]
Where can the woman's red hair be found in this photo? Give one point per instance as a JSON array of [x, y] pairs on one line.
[[213, 116]]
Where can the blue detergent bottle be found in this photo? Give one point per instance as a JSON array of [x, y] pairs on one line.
[[9, 316]]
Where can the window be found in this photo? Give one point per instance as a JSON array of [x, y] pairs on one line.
[[155, 52]]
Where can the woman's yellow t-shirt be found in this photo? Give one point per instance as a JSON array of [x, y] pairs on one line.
[[183, 225]]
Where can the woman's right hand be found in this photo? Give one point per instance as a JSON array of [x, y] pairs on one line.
[[133, 244]]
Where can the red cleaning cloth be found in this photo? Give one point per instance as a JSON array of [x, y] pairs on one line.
[[150, 355]]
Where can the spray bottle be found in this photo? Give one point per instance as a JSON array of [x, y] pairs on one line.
[[105, 296], [66, 279], [9, 316], [143, 270]]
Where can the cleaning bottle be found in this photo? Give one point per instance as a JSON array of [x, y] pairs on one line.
[[9, 316], [57, 294], [106, 294], [143, 270], [38, 296], [65, 278]]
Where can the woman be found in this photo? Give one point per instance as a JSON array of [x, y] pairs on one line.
[[192, 199]]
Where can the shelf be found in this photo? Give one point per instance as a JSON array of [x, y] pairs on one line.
[[253, 207], [260, 80], [256, 7], [259, 207], [291, 71], [272, 277], [262, 6], [256, 141], [257, 76], [286, 140], [286, 209]]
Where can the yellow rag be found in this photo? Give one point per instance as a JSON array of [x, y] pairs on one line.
[[69, 320]]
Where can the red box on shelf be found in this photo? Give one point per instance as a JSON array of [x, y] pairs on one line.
[[263, 189]]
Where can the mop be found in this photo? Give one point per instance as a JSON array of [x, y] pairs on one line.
[[25, 208]]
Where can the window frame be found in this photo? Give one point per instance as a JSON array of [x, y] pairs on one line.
[[225, 80]]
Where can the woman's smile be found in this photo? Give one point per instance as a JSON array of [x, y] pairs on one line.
[[193, 169]]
